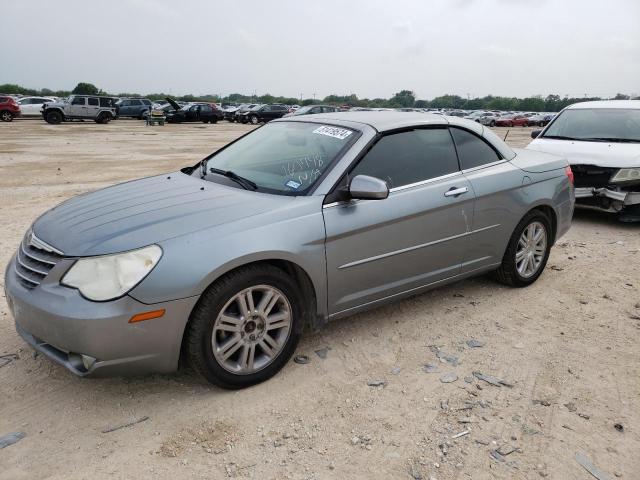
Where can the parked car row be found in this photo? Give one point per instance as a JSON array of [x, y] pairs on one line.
[[86, 107]]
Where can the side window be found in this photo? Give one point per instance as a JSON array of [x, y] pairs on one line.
[[125, 103], [93, 101], [410, 157], [472, 150], [266, 108], [146, 102], [78, 101], [205, 109], [105, 102], [136, 103]]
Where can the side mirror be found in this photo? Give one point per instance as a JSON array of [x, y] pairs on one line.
[[364, 187], [535, 133]]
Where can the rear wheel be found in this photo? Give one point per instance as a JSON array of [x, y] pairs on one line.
[[492, 123], [53, 117], [6, 116], [254, 119], [527, 252], [245, 327], [103, 117]]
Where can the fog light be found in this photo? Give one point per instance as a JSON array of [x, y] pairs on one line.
[[88, 361]]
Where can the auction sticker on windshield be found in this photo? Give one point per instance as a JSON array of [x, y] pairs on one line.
[[335, 132]]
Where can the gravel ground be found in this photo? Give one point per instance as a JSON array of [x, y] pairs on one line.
[[565, 348]]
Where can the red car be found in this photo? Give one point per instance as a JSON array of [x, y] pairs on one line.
[[512, 121], [9, 109]]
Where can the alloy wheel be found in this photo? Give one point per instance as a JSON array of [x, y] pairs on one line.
[[531, 249], [6, 116], [251, 329]]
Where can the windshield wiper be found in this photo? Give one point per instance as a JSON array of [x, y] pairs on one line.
[[615, 140], [561, 137], [243, 182]]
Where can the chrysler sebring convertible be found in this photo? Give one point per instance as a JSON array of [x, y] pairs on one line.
[[223, 264]]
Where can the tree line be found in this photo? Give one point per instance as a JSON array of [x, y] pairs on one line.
[[402, 99]]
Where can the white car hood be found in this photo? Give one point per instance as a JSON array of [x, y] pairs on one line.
[[600, 154]]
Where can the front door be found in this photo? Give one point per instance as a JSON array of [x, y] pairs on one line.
[[78, 107], [416, 237]]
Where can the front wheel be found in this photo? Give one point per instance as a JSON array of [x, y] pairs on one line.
[[53, 117], [6, 116], [492, 123], [245, 327], [254, 120], [527, 252]]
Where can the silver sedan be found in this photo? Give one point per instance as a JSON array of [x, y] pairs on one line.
[[305, 220]]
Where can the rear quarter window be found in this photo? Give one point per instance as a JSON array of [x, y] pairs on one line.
[[472, 150]]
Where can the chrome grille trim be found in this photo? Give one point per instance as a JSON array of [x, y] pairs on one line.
[[25, 278], [34, 260]]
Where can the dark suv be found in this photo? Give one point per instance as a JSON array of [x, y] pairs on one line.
[[9, 108], [133, 107], [263, 113]]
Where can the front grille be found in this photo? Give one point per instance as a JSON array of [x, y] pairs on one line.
[[33, 263], [592, 176]]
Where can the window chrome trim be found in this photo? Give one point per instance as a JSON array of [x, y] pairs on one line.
[[400, 188], [424, 182], [486, 165], [415, 247]]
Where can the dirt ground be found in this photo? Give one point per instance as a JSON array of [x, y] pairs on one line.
[[568, 345]]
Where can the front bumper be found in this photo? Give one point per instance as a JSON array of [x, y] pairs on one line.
[[606, 199], [96, 338]]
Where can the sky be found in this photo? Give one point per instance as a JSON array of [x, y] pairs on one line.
[[296, 48]]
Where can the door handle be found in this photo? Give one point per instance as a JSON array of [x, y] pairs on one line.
[[454, 192]]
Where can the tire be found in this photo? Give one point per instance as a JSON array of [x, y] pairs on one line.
[[143, 114], [492, 123], [525, 124], [541, 124], [206, 327], [254, 120], [509, 272], [54, 117], [103, 118], [6, 116], [205, 121]]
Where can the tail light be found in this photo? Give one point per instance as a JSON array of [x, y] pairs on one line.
[[569, 173]]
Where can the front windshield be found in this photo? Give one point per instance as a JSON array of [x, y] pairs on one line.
[[283, 157], [597, 124]]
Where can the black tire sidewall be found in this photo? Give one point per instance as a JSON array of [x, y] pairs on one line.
[[215, 299], [53, 117]]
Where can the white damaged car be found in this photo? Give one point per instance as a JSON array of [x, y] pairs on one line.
[[601, 140]]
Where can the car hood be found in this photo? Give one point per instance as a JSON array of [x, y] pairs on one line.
[[142, 212], [173, 103], [600, 154]]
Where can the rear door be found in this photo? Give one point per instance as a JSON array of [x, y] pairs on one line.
[[93, 106], [416, 237], [496, 184]]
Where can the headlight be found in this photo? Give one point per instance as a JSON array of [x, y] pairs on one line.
[[626, 175], [111, 276]]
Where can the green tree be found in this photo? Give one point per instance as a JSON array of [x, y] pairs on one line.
[[86, 89], [621, 96], [404, 98]]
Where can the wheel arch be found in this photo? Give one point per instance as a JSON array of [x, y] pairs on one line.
[[551, 214]]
